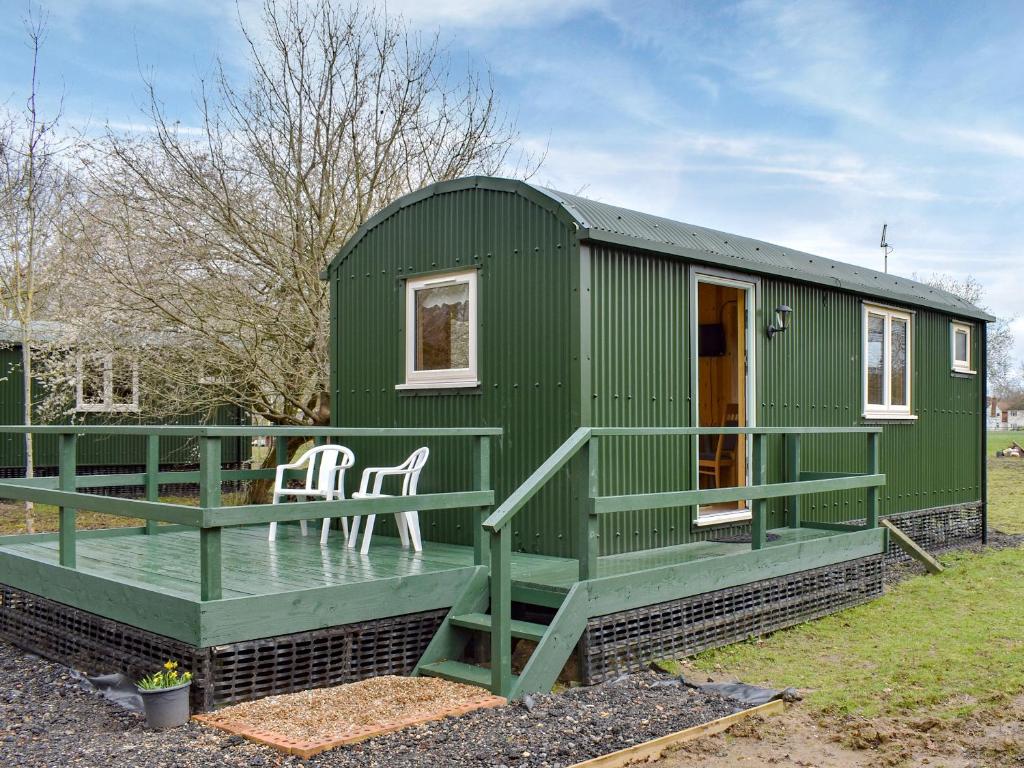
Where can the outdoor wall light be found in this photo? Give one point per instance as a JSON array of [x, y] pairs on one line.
[[781, 323]]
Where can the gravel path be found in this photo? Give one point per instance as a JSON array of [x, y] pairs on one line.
[[48, 719]]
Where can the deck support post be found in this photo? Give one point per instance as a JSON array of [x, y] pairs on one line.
[[758, 523], [210, 576], [501, 611], [481, 482], [586, 520], [793, 469], [67, 461], [152, 475], [874, 467]]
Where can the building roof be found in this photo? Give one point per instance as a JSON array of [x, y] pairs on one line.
[[42, 331], [604, 223]]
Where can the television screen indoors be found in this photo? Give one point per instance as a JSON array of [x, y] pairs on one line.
[[711, 340]]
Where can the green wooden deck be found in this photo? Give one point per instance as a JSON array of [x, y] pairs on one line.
[[294, 584]]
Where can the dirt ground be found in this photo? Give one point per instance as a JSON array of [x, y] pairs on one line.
[[797, 739]]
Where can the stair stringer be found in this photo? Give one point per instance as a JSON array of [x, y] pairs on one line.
[[545, 664], [449, 641]]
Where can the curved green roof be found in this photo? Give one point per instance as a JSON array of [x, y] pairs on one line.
[[604, 223]]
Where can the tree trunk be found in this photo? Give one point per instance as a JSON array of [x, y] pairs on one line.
[[26, 369], [260, 491]]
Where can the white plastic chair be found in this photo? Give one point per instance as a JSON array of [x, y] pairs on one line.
[[408, 522], [328, 483]]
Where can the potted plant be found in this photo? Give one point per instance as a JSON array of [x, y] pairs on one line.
[[165, 696]]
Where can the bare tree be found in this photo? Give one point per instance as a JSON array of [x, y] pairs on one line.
[[999, 349], [199, 251], [33, 184]]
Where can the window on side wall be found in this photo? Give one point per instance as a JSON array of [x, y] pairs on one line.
[[960, 347], [441, 331], [107, 384], [888, 362]]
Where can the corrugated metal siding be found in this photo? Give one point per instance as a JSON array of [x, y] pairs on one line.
[[527, 304], [811, 376], [101, 450]]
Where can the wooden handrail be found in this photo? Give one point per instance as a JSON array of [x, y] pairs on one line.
[[178, 430]]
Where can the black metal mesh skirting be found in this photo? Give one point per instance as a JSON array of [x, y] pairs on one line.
[[223, 674], [630, 640], [937, 529]]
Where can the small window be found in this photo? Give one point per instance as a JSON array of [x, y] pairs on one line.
[[441, 331], [887, 363], [107, 384], [960, 341]]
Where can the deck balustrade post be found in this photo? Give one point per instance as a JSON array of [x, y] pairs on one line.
[[210, 576], [481, 482], [874, 467], [67, 461], [501, 611], [758, 523], [793, 467], [587, 521], [152, 475]]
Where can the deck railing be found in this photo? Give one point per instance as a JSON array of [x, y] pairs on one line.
[[210, 516], [584, 446]]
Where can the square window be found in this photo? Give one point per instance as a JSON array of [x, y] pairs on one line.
[[960, 341], [887, 362], [107, 384], [441, 331]]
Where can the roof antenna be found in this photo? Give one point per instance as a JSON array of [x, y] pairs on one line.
[[886, 248]]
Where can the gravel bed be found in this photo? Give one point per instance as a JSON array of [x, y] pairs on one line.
[[48, 718]]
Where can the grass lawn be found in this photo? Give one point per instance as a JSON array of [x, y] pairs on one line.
[[942, 646]]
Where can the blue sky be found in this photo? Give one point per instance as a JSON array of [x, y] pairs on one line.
[[807, 124]]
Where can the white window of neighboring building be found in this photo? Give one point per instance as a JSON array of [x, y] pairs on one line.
[[107, 384], [960, 347], [887, 360], [441, 331]]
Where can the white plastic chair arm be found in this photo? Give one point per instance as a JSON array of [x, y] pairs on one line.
[[381, 473]]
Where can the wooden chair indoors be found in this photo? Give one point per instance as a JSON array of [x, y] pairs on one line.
[[721, 454]]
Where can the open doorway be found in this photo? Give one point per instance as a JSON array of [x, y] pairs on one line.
[[724, 388]]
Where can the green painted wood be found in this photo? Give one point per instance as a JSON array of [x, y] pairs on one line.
[[633, 590], [147, 608], [874, 464], [503, 515], [459, 672], [539, 594], [793, 475], [758, 519], [210, 573], [668, 431], [588, 467], [110, 505], [449, 641], [607, 504], [482, 622], [501, 611], [913, 549], [66, 536], [151, 479], [481, 482], [250, 514], [230, 431], [549, 657], [248, 618]]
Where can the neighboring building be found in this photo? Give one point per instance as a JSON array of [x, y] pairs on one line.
[[106, 390]]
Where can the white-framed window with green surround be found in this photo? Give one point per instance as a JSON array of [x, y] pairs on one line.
[[441, 331], [960, 347], [887, 362]]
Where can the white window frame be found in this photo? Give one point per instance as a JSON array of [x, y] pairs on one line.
[[453, 377], [108, 405], [961, 366], [887, 410]]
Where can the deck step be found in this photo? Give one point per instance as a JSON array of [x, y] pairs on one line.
[[525, 630], [460, 672]]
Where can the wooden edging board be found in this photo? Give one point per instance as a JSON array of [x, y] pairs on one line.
[[913, 549], [651, 750]]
